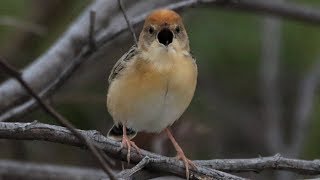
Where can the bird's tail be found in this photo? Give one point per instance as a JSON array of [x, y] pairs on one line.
[[116, 132]]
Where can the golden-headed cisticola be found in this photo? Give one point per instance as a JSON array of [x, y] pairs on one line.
[[153, 83]]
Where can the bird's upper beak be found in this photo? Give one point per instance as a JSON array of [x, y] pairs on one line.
[[165, 36]]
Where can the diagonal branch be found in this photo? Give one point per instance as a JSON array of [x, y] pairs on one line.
[[49, 110], [57, 134], [128, 22]]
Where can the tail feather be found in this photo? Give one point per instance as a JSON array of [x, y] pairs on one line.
[[116, 132]]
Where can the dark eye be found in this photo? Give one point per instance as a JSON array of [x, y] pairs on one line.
[[151, 30], [177, 29]]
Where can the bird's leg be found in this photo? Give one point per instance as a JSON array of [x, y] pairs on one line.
[[180, 154], [126, 142]]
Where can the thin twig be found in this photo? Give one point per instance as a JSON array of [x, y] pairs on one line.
[[129, 172], [128, 22], [49, 110]]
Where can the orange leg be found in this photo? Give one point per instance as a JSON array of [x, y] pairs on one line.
[[180, 154], [126, 142]]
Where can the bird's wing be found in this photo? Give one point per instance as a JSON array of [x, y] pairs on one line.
[[122, 63]]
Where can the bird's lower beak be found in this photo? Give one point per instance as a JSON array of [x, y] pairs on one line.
[[165, 36]]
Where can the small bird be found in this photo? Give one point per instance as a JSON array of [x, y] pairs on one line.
[[153, 83]]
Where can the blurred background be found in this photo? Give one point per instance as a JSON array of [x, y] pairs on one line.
[[257, 78]]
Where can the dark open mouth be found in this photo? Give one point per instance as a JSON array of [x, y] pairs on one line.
[[165, 36]]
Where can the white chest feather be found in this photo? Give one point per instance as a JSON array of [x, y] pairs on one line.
[[158, 110]]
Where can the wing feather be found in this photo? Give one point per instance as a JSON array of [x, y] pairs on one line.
[[122, 63]]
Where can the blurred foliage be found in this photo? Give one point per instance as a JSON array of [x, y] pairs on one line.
[[226, 111]]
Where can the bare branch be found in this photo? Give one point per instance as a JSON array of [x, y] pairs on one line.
[[51, 133], [62, 120], [65, 56], [128, 22], [57, 134], [25, 170], [276, 162], [11, 169], [130, 172]]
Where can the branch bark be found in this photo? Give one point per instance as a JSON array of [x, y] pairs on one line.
[[51, 133], [71, 50], [276, 162], [25, 170], [11, 169], [57, 134]]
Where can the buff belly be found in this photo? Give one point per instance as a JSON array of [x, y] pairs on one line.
[[149, 100]]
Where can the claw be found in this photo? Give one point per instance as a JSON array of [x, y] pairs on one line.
[[187, 163], [181, 156], [127, 143]]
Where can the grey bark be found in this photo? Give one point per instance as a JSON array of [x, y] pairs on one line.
[[57, 134]]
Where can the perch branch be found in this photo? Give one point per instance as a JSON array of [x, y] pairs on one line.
[[51, 133], [57, 134]]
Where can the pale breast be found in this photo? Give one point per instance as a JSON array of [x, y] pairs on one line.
[[147, 99]]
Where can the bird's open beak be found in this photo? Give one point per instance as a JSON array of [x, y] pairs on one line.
[[165, 36]]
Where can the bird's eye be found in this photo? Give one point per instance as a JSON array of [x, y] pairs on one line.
[[177, 29], [151, 30]]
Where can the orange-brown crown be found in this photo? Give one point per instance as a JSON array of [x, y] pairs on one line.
[[163, 16]]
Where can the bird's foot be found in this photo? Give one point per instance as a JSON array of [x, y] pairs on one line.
[[187, 162], [127, 143]]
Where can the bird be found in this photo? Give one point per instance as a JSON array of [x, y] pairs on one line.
[[152, 84]]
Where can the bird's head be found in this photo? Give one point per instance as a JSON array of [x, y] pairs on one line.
[[163, 29]]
